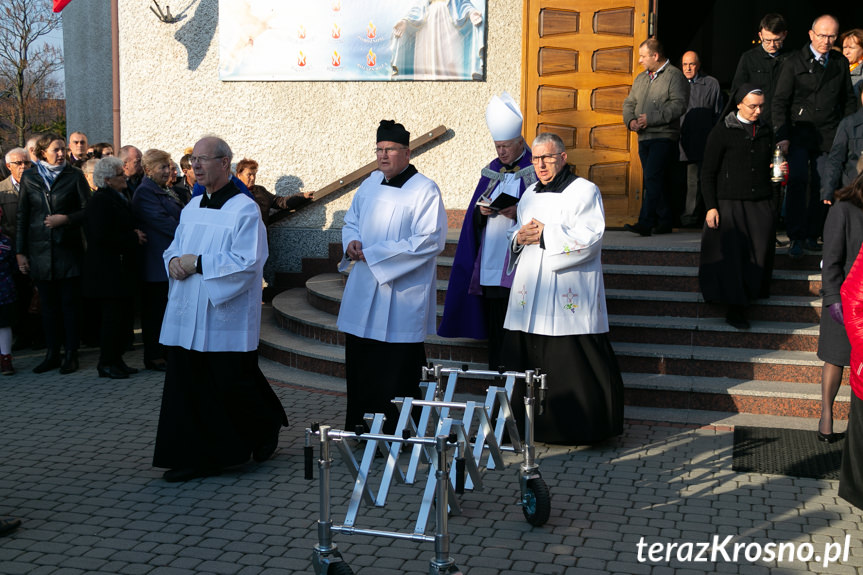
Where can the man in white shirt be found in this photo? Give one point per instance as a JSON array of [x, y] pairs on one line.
[[217, 406], [393, 232]]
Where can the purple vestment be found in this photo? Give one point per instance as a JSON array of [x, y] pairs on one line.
[[463, 312]]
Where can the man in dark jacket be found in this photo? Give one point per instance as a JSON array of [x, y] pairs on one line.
[[812, 95], [844, 156], [760, 65]]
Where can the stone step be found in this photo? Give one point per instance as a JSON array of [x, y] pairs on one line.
[[634, 383], [315, 360], [324, 293], [735, 353], [685, 278], [301, 317], [713, 332], [801, 309]]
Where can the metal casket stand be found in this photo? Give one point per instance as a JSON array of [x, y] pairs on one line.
[[453, 449]]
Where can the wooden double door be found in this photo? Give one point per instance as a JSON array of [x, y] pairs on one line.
[[580, 58]]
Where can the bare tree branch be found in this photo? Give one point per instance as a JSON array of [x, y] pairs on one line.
[[26, 62]]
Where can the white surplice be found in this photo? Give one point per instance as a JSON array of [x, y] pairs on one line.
[[391, 296], [220, 308], [559, 290]]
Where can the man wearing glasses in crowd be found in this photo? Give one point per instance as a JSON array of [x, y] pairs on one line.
[[759, 66], [812, 95], [394, 230], [17, 160]]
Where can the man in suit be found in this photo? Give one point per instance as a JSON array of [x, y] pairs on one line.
[[812, 95]]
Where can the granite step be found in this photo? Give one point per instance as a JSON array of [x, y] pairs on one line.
[[279, 374], [685, 278], [669, 391], [324, 293], [302, 316], [735, 353], [800, 309]]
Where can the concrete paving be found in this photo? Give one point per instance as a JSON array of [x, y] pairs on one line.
[[75, 466]]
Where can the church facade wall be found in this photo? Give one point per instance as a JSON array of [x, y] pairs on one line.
[[304, 135]]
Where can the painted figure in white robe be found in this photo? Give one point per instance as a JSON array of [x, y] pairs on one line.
[[393, 232], [557, 320], [217, 407], [438, 40]]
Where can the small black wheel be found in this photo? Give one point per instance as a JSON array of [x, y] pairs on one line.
[[537, 502], [339, 568]]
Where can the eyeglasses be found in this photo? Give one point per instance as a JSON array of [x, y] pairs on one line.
[[202, 159], [388, 151], [547, 159], [828, 37], [22, 163]]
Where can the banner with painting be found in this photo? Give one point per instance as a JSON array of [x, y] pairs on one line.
[[351, 40]]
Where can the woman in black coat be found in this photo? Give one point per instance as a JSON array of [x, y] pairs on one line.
[[110, 266], [50, 247], [843, 237], [737, 242]]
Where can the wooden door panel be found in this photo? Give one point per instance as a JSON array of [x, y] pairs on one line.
[[579, 62]]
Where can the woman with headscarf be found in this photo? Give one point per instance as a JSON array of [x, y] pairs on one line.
[[738, 238], [110, 272], [50, 247], [157, 212]]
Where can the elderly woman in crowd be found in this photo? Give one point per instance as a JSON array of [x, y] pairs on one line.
[[738, 239], [110, 271], [50, 248], [852, 48], [157, 212], [247, 172]]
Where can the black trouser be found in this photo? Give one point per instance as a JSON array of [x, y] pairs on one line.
[[154, 299], [113, 335], [60, 301]]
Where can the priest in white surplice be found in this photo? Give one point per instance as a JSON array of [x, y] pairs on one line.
[[557, 320], [393, 232], [217, 407]]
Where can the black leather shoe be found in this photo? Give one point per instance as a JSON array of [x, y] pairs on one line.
[[737, 318], [637, 229], [50, 362], [112, 371], [265, 451], [70, 364], [189, 473], [156, 365], [123, 367], [7, 526]]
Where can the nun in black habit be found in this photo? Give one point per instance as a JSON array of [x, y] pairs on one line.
[[738, 238]]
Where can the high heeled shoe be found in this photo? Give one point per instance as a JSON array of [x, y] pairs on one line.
[[112, 371]]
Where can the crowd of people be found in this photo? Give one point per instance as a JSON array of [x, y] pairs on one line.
[[83, 232], [527, 274]]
